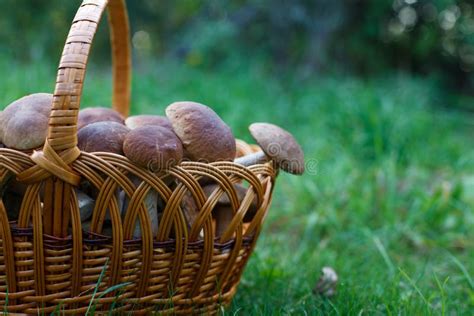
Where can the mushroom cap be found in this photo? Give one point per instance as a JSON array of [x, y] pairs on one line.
[[135, 121], [102, 136], [24, 123], [204, 135], [153, 147], [93, 115], [280, 146]]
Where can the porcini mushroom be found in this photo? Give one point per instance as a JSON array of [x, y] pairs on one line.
[[100, 137], [153, 147], [204, 135], [107, 229], [133, 122], [24, 123], [327, 283], [94, 115], [156, 149], [277, 145], [12, 203], [13, 192], [86, 205], [223, 212]]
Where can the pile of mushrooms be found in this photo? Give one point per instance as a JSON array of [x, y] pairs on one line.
[[189, 131]]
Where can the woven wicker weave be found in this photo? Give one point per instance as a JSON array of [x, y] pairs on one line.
[[48, 262]]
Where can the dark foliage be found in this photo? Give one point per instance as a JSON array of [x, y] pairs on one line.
[[432, 37]]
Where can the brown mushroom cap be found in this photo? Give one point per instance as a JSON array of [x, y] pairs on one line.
[[24, 123], [144, 120], [204, 135], [102, 136], [153, 147], [94, 115], [280, 146]]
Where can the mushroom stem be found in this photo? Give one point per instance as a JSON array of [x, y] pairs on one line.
[[86, 205], [155, 148], [151, 205], [12, 204], [224, 216], [5, 178], [252, 159]]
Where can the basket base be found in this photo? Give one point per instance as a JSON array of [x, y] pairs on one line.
[[97, 296]]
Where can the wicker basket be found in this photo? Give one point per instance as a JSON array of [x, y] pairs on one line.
[[48, 262]]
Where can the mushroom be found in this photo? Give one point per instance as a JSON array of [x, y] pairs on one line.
[[12, 193], [94, 115], [107, 230], [24, 123], [156, 149], [190, 209], [327, 283], [12, 203], [223, 212], [144, 120], [204, 135], [277, 145], [86, 205], [153, 147], [100, 137], [23, 126]]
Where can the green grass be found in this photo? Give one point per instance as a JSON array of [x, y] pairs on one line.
[[387, 200]]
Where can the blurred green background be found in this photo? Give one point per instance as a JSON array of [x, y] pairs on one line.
[[433, 38], [379, 93]]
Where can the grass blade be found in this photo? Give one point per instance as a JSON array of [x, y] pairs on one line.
[[463, 270], [114, 288], [413, 284], [101, 276]]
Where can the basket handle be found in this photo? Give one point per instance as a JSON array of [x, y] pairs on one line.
[[60, 147], [62, 133]]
